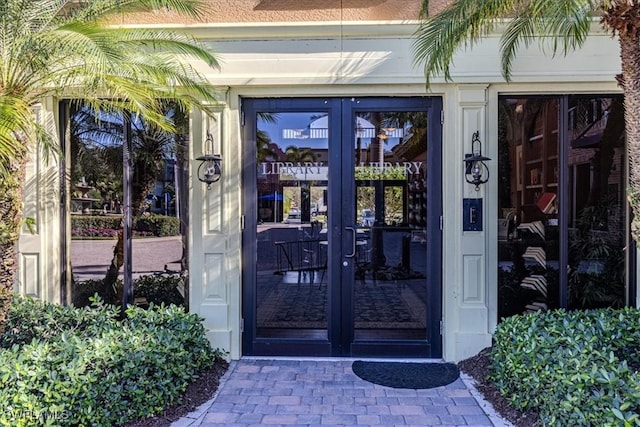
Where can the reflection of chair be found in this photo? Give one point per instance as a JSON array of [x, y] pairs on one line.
[[363, 260], [301, 257]]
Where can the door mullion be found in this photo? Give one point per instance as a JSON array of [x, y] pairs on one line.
[[563, 188]]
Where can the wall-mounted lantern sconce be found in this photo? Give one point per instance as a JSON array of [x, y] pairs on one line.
[[210, 169], [476, 170]]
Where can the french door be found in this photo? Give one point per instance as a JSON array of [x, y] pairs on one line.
[[342, 239]]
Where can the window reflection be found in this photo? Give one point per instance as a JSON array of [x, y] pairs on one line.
[[159, 207], [292, 201], [596, 222], [530, 237]]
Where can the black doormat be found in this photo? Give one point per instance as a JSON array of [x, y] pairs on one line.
[[406, 375]]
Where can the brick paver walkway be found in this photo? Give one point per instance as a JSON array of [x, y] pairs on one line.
[[326, 392]]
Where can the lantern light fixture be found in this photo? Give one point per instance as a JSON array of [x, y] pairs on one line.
[[210, 169], [476, 170]]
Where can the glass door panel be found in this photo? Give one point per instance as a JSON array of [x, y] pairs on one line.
[[389, 251], [292, 241]]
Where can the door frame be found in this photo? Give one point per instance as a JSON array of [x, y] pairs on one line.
[[340, 327]]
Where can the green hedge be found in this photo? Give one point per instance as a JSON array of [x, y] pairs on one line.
[[90, 369], [158, 225], [155, 289], [574, 368], [82, 222]]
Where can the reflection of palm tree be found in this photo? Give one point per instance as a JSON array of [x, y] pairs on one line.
[[151, 146], [415, 126], [264, 146], [295, 154], [95, 152]]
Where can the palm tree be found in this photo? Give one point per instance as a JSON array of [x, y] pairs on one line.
[[54, 48], [566, 24]]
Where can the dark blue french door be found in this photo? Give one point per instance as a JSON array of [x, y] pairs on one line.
[[342, 240]]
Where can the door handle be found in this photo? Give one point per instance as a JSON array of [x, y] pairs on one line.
[[353, 240]]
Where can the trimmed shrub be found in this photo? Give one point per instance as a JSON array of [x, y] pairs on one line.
[[158, 290], [155, 289], [108, 226], [571, 367], [101, 375], [80, 223], [158, 225]]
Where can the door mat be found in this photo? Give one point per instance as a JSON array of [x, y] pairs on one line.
[[406, 375]]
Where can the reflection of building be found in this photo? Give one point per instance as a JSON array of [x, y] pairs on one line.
[[163, 198], [539, 253], [362, 51]]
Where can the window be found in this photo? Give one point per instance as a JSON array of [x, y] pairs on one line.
[[562, 225]]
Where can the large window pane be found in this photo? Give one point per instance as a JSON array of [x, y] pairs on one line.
[[158, 181], [596, 159], [565, 239], [528, 246]]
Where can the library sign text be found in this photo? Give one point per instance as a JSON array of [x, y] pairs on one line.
[[318, 171]]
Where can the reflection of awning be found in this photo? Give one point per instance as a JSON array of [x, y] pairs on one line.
[[587, 141], [319, 129], [271, 196]]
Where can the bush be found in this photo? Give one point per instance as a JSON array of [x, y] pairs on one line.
[[108, 226], [31, 319], [80, 223], [158, 225], [160, 289], [83, 292], [99, 374], [163, 289], [571, 367]]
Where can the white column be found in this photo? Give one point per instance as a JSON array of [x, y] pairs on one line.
[[466, 295], [39, 257], [214, 232]]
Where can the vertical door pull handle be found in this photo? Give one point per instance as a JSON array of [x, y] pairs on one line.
[[353, 240]]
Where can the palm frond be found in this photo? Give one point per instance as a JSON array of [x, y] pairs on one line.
[[520, 30], [101, 9], [462, 23], [561, 25], [68, 48]]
